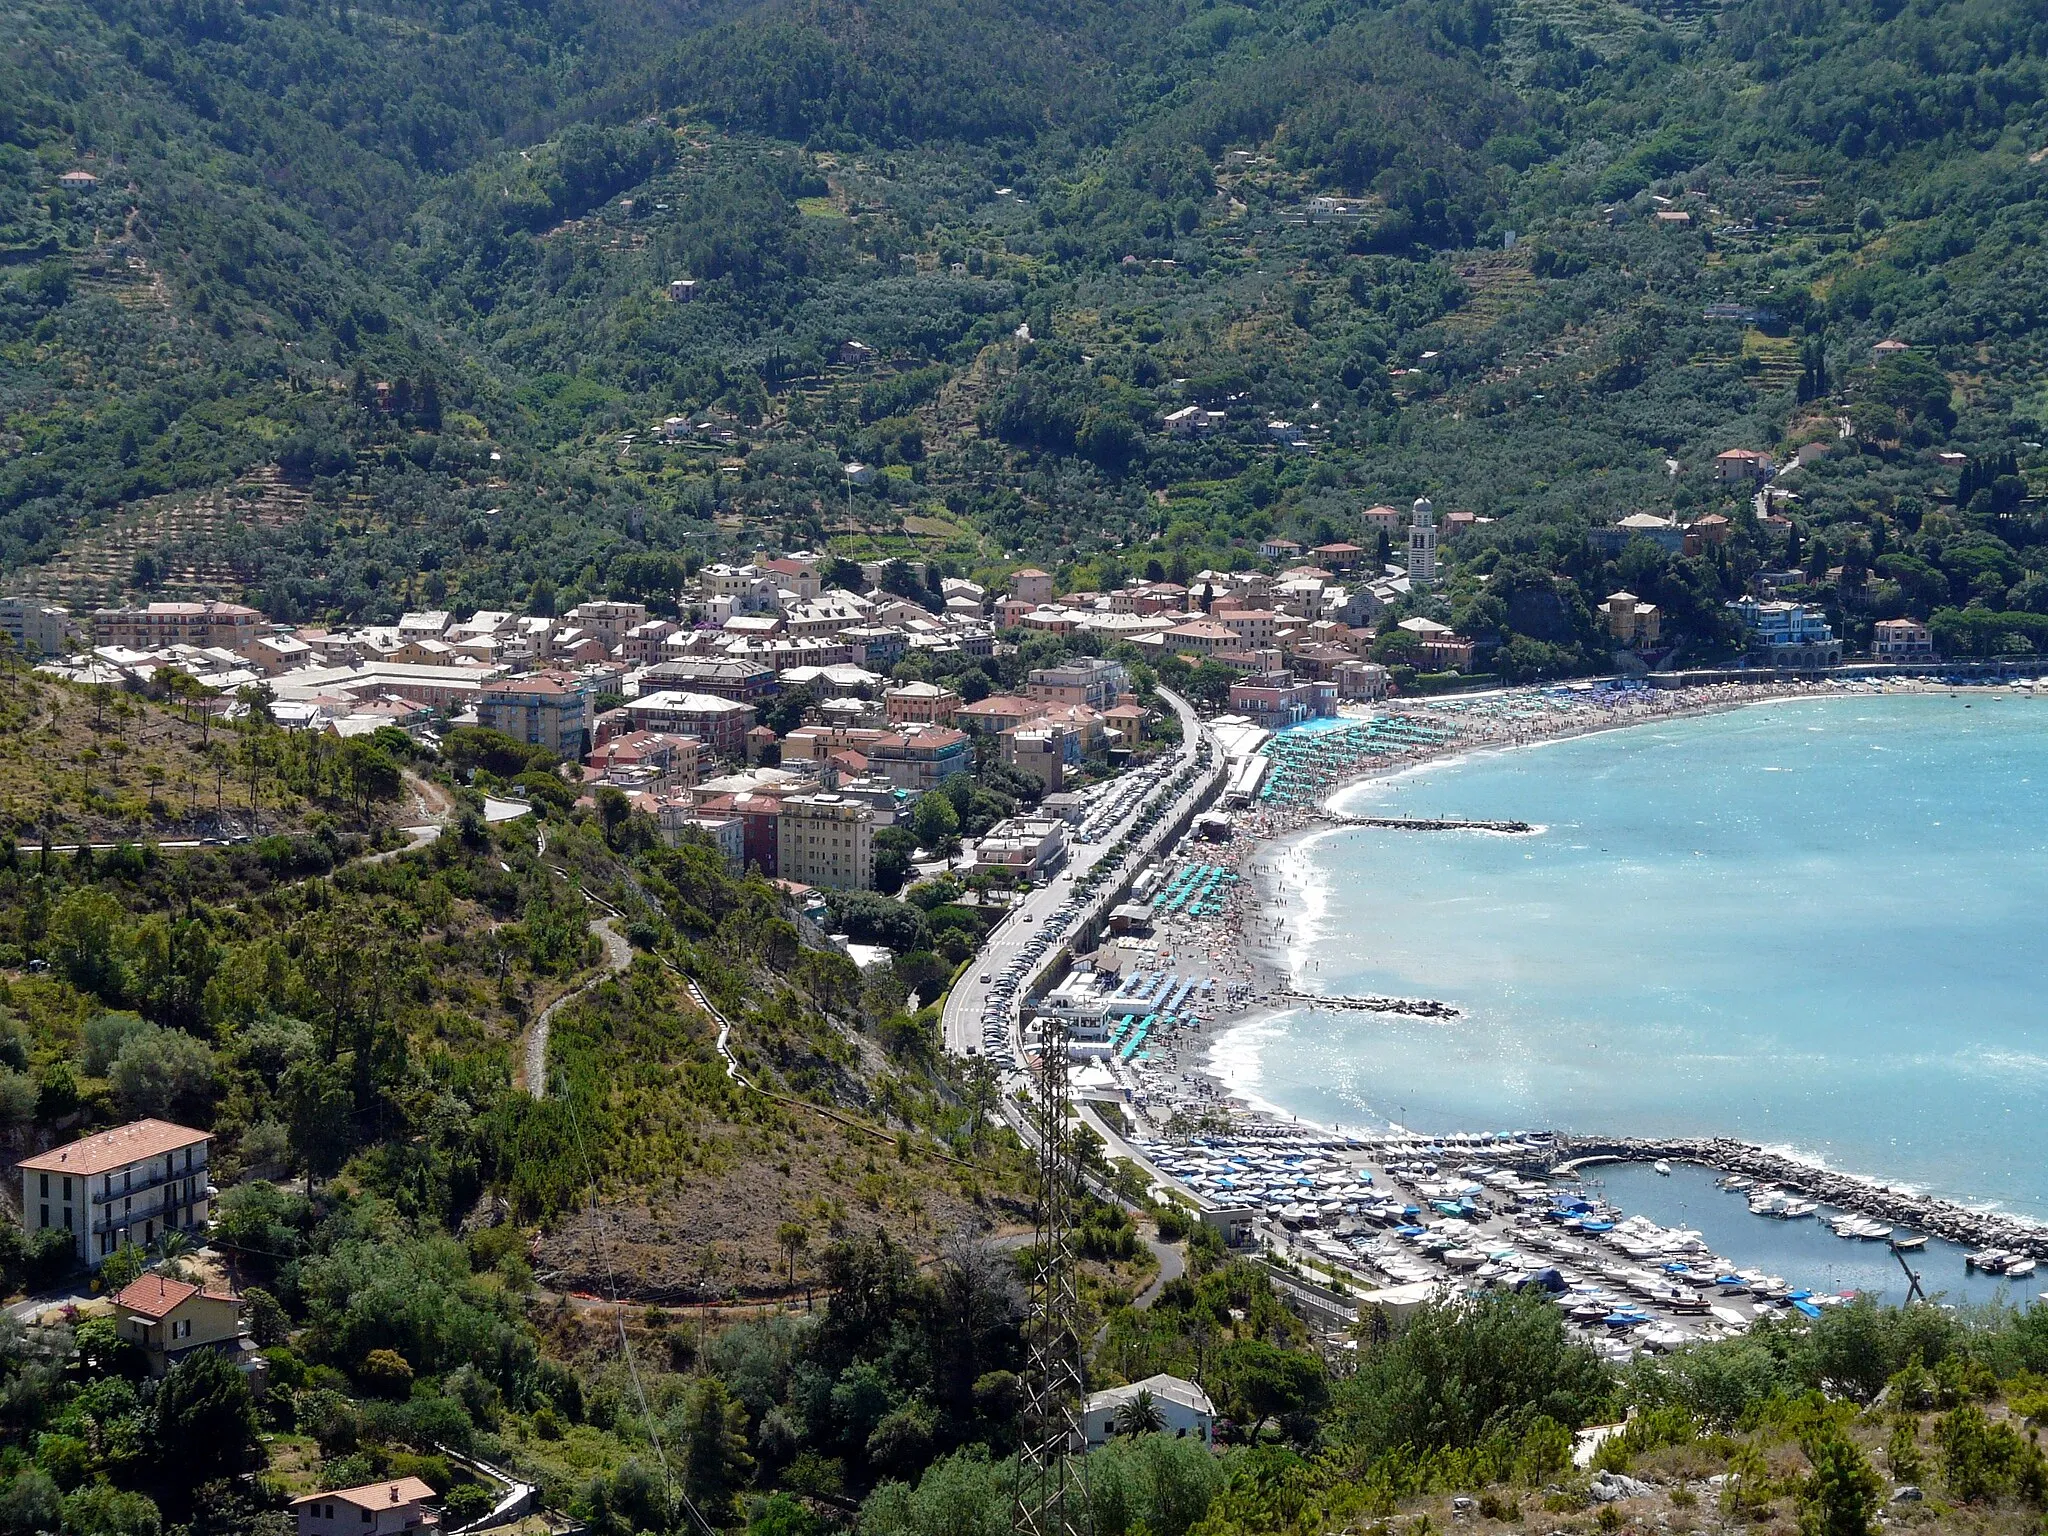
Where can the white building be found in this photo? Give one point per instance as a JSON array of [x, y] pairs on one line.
[[377, 1509], [1422, 544], [119, 1186], [36, 627], [1183, 1408]]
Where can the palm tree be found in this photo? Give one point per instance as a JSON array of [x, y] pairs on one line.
[[1140, 1416]]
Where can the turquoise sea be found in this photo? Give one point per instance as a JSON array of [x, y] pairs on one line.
[[1817, 924]]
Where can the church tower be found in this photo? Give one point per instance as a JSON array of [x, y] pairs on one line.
[[1422, 544]]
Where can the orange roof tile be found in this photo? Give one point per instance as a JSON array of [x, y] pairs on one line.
[[104, 1151], [396, 1490]]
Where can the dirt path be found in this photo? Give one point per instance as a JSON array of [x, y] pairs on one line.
[[533, 1051]]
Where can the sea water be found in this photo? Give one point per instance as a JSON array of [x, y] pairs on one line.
[[1815, 923]]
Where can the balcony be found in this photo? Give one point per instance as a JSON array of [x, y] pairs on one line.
[[94, 1186]]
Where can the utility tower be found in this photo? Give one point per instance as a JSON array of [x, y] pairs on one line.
[[1051, 1500]]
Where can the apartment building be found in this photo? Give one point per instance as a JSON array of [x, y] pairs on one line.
[[828, 840], [125, 1185]]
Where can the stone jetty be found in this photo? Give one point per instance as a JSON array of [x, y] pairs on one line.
[[1901, 1208], [1429, 823], [1415, 1007]]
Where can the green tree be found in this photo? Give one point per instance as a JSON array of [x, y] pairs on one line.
[[1842, 1495], [1264, 1382], [205, 1420], [164, 1073], [85, 941], [936, 823], [318, 1115], [713, 1443]]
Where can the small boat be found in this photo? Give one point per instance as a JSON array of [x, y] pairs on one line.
[[1663, 1166], [1909, 1244], [1799, 1208], [1991, 1260], [2020, 1268]]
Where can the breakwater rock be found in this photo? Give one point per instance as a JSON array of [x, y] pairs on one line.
[[1413, 1007], [1902, 1208], [1429, 823]]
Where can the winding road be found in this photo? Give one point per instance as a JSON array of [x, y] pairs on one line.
[[533, 1055]]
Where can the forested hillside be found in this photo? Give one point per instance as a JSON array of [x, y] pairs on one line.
[[363, 304]]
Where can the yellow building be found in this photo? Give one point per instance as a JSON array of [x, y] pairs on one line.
[[1631, 621], [829, 841], [168, 1319]]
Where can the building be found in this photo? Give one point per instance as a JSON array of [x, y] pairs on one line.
[[1365, 680], [168, 1319], [1031, 585], [1381, 519], [119, 1186], [1901, 640], [678, 817], [159, 624], [610, 620], [1193, 421], [1631, 621], [1084, 680], [1786, 634], [1339, 556], [1443, 648], [1891, 346], [375, 1509], [1277, 548], [997, 713], [723, 677], [1025, 847], [37, 628], [1183, 1408], [646, 760], [921, 758], [1201, 637], [542, 709], [1422, 544], [919, 704], [1042, 751], [828, 840], [1707, 533], [1275, 700], [1739, 466], [1254, 627], [721, 724], [1666, 533]]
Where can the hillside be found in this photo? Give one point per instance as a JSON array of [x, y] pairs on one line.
[[418, 338]]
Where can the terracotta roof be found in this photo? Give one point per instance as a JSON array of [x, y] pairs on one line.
[[154, 1295], [104, 1151], [397, 1490], [157, 1296]]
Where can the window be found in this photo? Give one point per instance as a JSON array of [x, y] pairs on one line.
[[67, 1188], [46, 1215], [45, 1191]]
